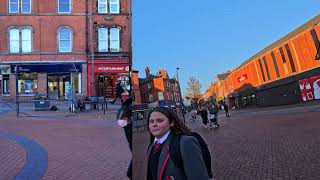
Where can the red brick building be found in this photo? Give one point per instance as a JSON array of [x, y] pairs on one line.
[[159, 87], [136, 87], [111, 40], [46, 47]]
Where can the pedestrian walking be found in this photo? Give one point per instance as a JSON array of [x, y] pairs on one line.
[[124, 117], [119, 91], [204, 115], [165, 126], [226, 109]]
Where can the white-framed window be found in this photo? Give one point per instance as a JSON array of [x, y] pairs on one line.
[[65, 39], [103, 40], [5, 84], [114, 6], [64, 6], [102, 6], [160, 96], [114, 39], [20, 40], [108, 39], [149, 86], [26, 40], [20, 6], [26, 6]]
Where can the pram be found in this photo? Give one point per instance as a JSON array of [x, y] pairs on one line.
[[213, 121]]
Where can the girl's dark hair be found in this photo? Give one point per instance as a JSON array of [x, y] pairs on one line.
[[179, 127]]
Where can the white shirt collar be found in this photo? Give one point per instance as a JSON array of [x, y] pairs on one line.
[[163, 138]]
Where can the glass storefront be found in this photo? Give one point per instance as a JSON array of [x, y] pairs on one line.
[[27, 83], [59, 85], [5, 84]]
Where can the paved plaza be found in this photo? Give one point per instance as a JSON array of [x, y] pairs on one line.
[[60, 145], [263, 143]]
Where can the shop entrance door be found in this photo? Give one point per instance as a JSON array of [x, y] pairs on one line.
[[105, 86], [58, 86]]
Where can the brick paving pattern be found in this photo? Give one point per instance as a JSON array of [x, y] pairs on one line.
[[270, 143], [86, 146]]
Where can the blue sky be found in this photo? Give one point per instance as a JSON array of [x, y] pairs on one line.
[[207, 37]]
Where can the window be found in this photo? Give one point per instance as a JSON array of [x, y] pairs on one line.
[[114, 6], [316, 43], [5, 84], [102, 6], [114, 39], [284, 61], [64, 6], [275, 64], [17, 6], [266, 65], [26, 40], [149, 86], [111, 43], [262, 72], [25, 6], [20, 40], [290, 58], [65, 39], [160, 96], [27, 83], [103, 39]]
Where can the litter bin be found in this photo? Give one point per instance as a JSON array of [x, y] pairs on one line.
[[41, 103]]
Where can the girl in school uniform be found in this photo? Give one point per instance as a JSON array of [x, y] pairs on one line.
[[164, 125]]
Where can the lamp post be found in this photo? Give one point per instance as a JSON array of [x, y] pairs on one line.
[[180, 97]]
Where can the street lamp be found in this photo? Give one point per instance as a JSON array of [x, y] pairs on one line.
[[180, 97]]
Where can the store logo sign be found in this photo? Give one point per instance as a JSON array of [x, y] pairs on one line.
[[243, 78]]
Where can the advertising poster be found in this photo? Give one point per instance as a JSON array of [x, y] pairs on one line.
[[306, 89], [28, 86], [315, 83]]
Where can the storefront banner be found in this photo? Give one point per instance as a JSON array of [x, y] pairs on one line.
[[306, 89], [315, 83], [46, 68], [101, 68]]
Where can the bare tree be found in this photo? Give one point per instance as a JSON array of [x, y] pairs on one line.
[[193, 90]]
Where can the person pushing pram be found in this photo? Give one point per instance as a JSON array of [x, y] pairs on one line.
[[213, 116]]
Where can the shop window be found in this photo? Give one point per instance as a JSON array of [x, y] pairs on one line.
[[316, 43], [20, 6], [5, 84], [124, 82], [290, 58], [27, 83], [160, 96], [65, 39], [64, 6], [266, 65], [20, 40], [275, 64], [150, 98]]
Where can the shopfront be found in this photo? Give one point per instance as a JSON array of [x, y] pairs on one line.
[[105, 78], [54, 80]]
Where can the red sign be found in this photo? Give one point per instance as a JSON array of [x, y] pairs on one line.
[[306, 89], [315, 84], [243, 78], [103, 68]]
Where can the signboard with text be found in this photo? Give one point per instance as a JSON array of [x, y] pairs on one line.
[[243, 78]]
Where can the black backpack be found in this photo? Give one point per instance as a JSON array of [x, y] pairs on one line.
[[175, 152]]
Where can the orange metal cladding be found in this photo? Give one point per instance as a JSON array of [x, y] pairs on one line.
[[302, 50]]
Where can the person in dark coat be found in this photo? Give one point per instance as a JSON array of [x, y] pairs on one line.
[[119, 91], [204, 115], [226, 109], [164, 125], [124, 117]]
